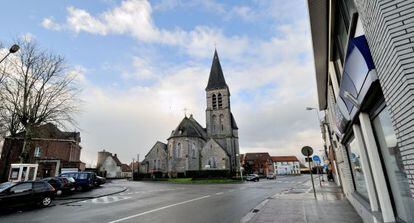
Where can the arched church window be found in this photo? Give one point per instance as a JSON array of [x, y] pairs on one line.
[[220, 100], [214, 101], [178, 151], [221, 119], [212, 162], [214, 120], [193, 150]]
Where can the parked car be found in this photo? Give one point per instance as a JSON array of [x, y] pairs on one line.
[[16, 194], [100, 180], [84, 180], [70, 183], [62, 184], [252, 177], [271, 176]]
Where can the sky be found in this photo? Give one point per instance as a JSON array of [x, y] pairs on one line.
[[142, 63]]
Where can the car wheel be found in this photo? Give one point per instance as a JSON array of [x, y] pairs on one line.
[[46, 201]]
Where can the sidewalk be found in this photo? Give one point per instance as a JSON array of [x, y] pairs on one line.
[[299, 205]]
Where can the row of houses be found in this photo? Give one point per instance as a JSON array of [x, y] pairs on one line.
[[264, 164]]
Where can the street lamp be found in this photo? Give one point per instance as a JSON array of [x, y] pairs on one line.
[[13, 49]]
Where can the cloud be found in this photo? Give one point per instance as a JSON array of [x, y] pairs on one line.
[[208, 5], [49, 23], [134, 18], [271, 79], [244, 12]]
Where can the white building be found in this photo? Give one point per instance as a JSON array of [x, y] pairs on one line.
[[286, 165]]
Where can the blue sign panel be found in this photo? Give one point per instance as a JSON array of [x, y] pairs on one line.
[[316, 159], [357, 78]]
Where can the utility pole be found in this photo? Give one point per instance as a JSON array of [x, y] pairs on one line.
[[132, 176]]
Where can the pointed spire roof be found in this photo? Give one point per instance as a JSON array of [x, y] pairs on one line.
[[216, 79]]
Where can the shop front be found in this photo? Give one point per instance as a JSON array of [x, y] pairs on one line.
[[364, 129]]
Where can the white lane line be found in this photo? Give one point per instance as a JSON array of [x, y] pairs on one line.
[[159, 209], [219, 193]]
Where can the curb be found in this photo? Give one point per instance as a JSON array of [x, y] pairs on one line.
[[77, 199]]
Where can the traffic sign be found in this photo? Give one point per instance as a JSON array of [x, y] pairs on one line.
[[316, 159], [307, 151]]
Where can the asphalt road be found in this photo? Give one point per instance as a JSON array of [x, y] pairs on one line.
[[163, 202]]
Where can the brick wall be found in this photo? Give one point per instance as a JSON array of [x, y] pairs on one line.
[[63, 150], [389, 29]]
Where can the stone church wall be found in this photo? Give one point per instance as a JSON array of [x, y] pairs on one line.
[[212, 149]]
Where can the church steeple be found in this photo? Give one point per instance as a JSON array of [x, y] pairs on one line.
[[216, 79]]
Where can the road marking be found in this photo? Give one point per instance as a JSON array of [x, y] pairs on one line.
[[219, 193], [159, 209], [251, 214], [106, 199]]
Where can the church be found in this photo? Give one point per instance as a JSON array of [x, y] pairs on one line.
[[191, 147]]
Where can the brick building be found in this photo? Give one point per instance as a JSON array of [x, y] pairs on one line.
[[364, 62], [49, 147], [258, 163]]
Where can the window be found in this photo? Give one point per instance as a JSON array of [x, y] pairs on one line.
[[40, 186], [14, 173], [178, 150], [222, 122], [83, 176], [392, 160], [193, 150], [220, 101], [37, 152], [24, 173], [354, 153], [20, 188], [214, 101], [214, 120], [212, 162]]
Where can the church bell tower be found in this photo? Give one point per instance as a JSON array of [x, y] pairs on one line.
[[220, 122]]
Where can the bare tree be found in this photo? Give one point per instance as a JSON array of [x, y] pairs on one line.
[[37, 89]]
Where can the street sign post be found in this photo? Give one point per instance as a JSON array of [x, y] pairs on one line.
[[308, 151]]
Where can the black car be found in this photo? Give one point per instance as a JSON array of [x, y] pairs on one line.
[[61, 184], [24, 193], [100, 180]]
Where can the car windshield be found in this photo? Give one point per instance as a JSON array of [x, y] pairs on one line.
[[6, 185]]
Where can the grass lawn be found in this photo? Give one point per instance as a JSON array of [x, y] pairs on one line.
[[202, 181]]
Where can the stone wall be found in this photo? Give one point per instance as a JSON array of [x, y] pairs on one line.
[[213, 149]]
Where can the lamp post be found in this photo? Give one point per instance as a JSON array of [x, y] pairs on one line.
[[13, 49]]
